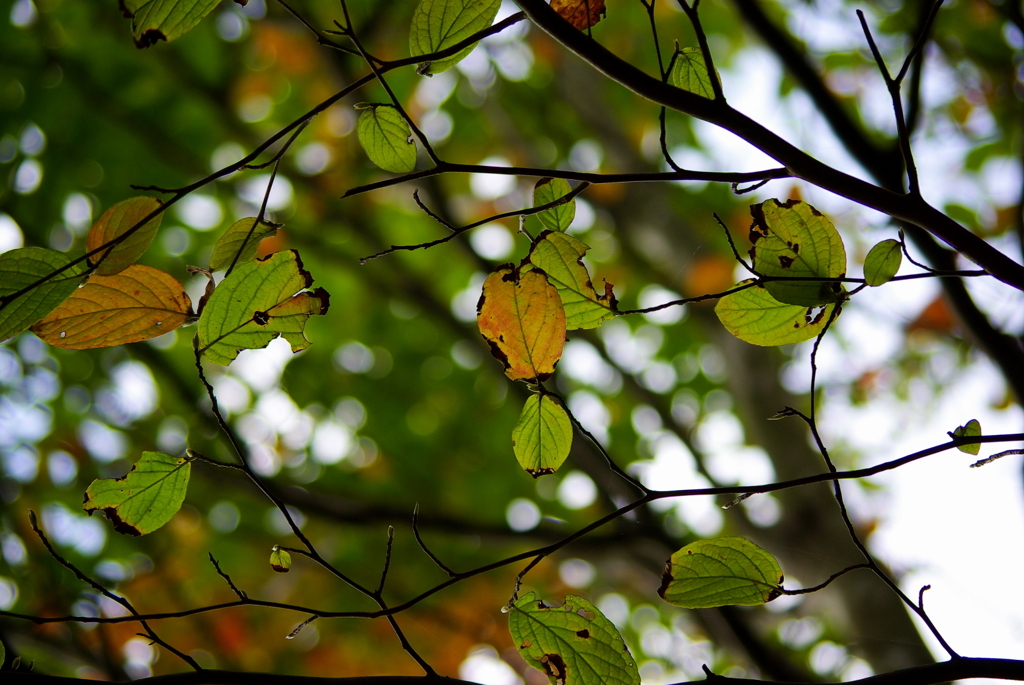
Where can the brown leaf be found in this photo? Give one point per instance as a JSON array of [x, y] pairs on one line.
[[114, 222], [580, 13], [137, 304], [521, 316]]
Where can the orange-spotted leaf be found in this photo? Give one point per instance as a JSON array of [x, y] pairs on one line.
[[115, 222], [580, 13], [137, 304], [521, 316]]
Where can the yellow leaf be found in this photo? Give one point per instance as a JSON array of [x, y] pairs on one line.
[[521, 316], [137, 304], [114, 222]]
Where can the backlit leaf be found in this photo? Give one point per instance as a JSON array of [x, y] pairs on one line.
[[114, 222], [243, 239], [439, 24], [793, 239], [580, 13], [521, 316], [882, 262], [754, 316], [560, 256], [387, 139], [145, 498], [156, 20], [720, 572], [258, 302], [543, 436], [137, 304], [690, 73], [21, 268], [280, 560], [574, 644], [548, 190], [971, 429]]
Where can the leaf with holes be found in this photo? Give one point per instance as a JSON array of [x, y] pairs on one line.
[[386, 138], [156, 20], [754, 316], [582, 14], [543, 436], [793, 239], [242, 239], [114, 223], [21, 268], [258, 302], [280, 560], [720, 572], [440, 24], [690, 73], [882, 262], [971, 429], [521, 316], [548, 190], [574, 644], [560, 256], [146, 497], [136, 304]]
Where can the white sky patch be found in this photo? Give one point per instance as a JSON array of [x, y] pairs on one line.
[[484, 666], [492, 241], [11, 236], [492, 186]]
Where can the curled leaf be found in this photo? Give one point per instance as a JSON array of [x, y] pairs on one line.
[[136, 304], [112, 224], [21, 268], [720, 572], [971, 429], [280, 560], [146, 497], [582, 14], [560, 256], [543, 436]]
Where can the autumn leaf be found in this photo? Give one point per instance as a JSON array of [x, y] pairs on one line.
[[243, 239], [137, 304], [114, 223], [258, 302], [582, 14], [521, 316], [146, 497], [560, 256]]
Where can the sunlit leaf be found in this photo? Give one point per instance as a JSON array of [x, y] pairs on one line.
[[793, 239], [280, 560], [574, 644], [580, 13], [543, 436], [882, 262], [156, 20], [21, 268], [258, 302], [386, 138], [114, 222], [145, 498], [719, 572], [690, 73], [136, 304], [560, 256], [758, 318], [243, 239], [971, 429], [521, 316], [548, 190], [439, 24]]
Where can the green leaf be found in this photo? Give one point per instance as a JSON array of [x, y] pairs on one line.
[[114, 222], [720, 572], [882, 262], [156, 20], [560, 256], [971, 429], [439, 24], [543, 436], [548, 190], [754, 316], [3, 654], [793, 239], [258, 302], [689, 73], [385, 136], [21, 268], [280, 560], [145, 498], [242, 238], [573, 644]]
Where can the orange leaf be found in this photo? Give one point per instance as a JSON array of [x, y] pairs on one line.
[[521, 316], [137, 304], [580, 13], [114, 222]]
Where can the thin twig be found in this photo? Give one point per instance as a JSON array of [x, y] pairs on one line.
[[423, 546]]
